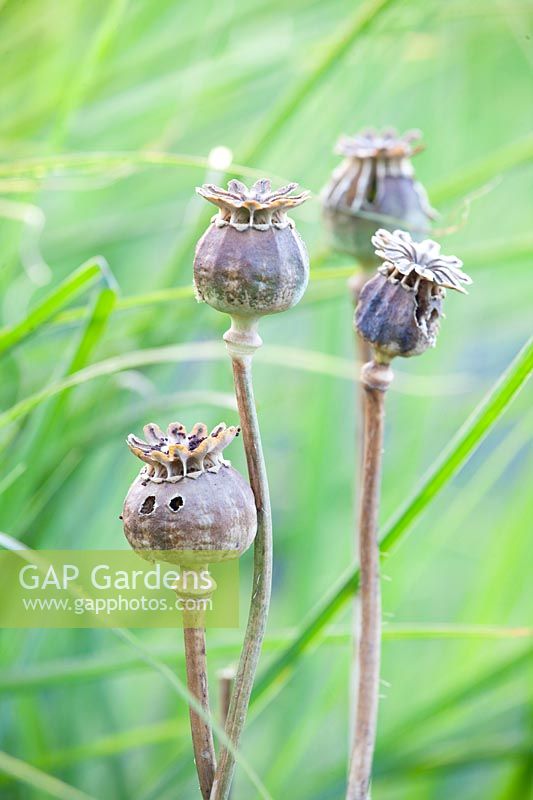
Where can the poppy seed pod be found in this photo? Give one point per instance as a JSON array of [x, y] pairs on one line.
[[399, 309], [251, 260], [187, 497], [375, 181]]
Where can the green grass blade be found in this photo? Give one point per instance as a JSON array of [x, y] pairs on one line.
[[498, 250], [111, 366], [292, 357], [53, 476], [280, 670], [46, 489], [165, 780], [31, 776], [467, 439], [460, 449], [90, 62], [78, 281], [12, 476], [106, 746], [451, 630], [455, 757], [103, 161], [99, 315], [10, 543], [44, 675], [520, 784], [473, 687], [348, 34], [493, 165]]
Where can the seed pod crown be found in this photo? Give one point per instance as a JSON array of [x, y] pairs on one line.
[[410, 262], [399, 309], [387, 145], [258, 207], [176, 454]]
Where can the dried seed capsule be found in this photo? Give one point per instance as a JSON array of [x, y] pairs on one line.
[[187, 497], [399, 309], [374, 182], [251, 260]]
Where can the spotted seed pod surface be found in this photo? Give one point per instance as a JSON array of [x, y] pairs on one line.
[[395, 321], [213, 517], [251, 261], [251, 273]]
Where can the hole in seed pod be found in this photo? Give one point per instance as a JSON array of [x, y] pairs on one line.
[[148, 505], [176, 503]]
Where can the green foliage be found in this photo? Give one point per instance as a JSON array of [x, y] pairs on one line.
[[109, 112], [41, 781]]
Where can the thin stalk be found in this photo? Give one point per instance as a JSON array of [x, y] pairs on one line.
[[242, 340], [226, 682], [201, 733], [363, 354], [375, 380]]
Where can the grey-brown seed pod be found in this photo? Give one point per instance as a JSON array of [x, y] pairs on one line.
[[251, 260], [187, 498], [399, 309], [375, 182]]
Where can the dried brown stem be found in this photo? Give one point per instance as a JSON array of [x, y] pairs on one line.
[[226, 682], [363, 354], [242, 341], [202, 735], [375, 380]]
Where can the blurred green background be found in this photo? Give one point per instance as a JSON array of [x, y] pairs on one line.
[[88, 89]]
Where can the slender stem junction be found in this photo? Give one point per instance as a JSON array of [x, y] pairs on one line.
[[196, 667], [242, 340], [375, 380]]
